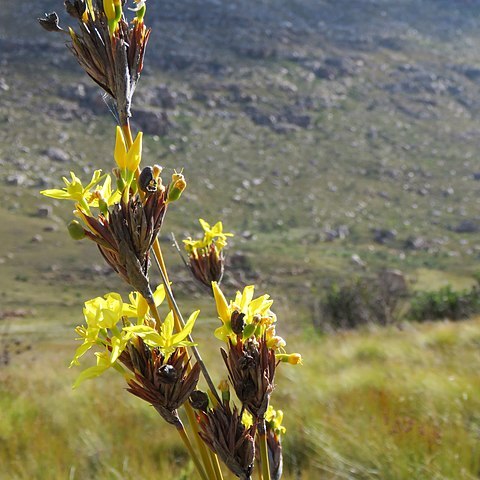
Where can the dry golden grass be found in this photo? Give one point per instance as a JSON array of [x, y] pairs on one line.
[[379, 404]]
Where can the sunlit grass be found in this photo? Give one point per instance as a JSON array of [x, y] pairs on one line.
[[376, 404]]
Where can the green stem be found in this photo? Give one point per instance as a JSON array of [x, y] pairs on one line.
[[191, 451], [212, 466], [154, 312], [201, 445], [262, 440], [216, 466]]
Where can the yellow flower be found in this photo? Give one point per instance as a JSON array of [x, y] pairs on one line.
[[104, 194], [138, 306], [274, 420], [211, 235], [105, 360], [101, 314], [257, 315], [74, 190], [215, 232], [108, 326], [167, 341], [247, 419]]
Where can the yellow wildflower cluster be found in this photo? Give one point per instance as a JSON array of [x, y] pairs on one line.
[[274, 420], [258, 321], [112, 323], [90, 195], [212, 236]]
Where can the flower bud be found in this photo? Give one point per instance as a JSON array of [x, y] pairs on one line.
[[225, 390], [177, 186], [75, 229], [120, 152], [103, 206], [134, 155], [292, 358], [199, 400], [109, 9], [276, 342]]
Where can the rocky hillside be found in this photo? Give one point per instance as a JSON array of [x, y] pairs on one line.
[[331, 136]]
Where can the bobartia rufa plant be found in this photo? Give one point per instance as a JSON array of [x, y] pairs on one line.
[[123, 213]]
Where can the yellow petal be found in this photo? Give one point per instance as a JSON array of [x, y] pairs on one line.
[[109, 9], [247, 296], [221, 302], [134, 155], [120, 154]]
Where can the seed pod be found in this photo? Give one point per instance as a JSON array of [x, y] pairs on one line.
[[50, 22], [167, 374], [238, 322], [199, 400], [146, 181]]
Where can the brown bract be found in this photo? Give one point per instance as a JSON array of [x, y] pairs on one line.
[[165, 384], [251, 367], [113, 60], [125, 237], [223, 431], [208, 266], [275, 456]]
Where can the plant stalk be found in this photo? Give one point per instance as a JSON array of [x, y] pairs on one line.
[[262, 440], [204, 452], [191, 451], [216, 466], [211, 463]]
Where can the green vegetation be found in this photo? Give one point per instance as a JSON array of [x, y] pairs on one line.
[[445, 303]]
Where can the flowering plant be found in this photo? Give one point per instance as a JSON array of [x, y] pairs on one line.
[[123, 214]]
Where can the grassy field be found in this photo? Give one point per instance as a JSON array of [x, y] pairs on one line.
[[393, 403]]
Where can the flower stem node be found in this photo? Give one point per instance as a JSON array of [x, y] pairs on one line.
[[107, 47], [125, 237], [251, 366], [150, 367]]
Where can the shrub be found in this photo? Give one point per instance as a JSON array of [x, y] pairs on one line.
[[445, 303], [362, 301]]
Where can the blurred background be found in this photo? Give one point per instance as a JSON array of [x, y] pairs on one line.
[[339, 141]]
